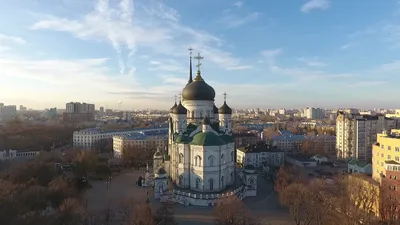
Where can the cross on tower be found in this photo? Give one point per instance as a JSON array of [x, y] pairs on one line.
[[180, 97], [198, 58], [225, 94], [175, 98], [190, 51]]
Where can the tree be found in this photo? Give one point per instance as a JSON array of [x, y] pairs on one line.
[[307, 147], [231, 211], [70, 212], [286, 176], [141, 215], [296, 197], [165, 214]]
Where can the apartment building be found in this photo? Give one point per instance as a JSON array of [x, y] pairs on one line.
[[355, 134], [79, 112], [386, 158], [90, 138], [314, 113], [7, 112], [144, 140], [258, 155]]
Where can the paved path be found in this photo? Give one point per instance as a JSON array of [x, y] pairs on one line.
[[124, 187]]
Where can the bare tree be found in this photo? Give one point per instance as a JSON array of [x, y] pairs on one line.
[[165, 214], [231, 211], [141, 215]]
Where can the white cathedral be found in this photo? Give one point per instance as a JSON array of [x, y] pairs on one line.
[[201, 148]]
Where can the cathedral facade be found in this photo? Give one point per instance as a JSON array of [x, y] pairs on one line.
[[201, 148]]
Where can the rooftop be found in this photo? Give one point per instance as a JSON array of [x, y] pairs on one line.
[[257, 148], [103, 131], [301, 158], [358, 163]]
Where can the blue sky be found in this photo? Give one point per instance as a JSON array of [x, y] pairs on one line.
[[267, 54]]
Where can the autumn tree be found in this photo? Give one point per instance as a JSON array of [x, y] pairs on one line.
[[141, 215], [307, 147], [232, 211], [286, 176]]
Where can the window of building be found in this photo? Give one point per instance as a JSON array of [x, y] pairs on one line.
[[211, 161], [222, 159], [197, 183], [389, 157], [397, 149], [396, 158], [389, 148], [222, 182], [180, 158], [211, 184], [232, 156], [382, 146]]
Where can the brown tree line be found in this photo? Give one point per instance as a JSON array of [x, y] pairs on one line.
[[346, 200]]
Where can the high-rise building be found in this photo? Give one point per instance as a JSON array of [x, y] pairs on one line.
[[79, 112], [314, 113], [7, 112], [355, 134]]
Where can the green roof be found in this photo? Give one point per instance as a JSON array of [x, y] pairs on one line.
[[228, 138], [207, 139], [355, 162], [191, 127], [184, 139]]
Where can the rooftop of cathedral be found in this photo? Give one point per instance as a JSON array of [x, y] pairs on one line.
[[204, 138]]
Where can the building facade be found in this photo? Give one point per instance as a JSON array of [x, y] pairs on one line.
[[355, 134], [147, 141], [259, 155], [79, 112], [90, 138], [314, 113]]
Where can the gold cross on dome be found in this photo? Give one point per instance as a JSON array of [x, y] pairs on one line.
[[198, 58], [225, 94]]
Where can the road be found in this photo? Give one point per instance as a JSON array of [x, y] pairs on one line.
[[123, 187]]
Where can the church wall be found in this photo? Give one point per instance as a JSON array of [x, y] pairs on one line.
[[198, 109]]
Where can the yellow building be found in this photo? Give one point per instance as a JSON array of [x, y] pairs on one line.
[[365, 192], [386, 155]]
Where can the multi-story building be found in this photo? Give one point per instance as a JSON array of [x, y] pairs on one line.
[[147, 141], [93, 137], [386, 158], [258, 155], [355, 134], [7, 112], [314, 113], [287, 141], [323, 144], [247, 138], [79, 112]]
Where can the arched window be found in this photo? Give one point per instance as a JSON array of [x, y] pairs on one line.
[[197, 183], [211, 161], [232, 156], [211, 184], [232, 177], [197, 160], [252, 183], [222, 182], [180, 180], [222, 159], [180, 158]]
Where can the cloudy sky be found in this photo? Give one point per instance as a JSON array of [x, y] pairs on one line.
[[267, 54]]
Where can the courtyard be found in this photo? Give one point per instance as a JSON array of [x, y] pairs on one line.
[[123, 187]]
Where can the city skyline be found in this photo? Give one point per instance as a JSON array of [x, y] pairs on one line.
[[266, 54]]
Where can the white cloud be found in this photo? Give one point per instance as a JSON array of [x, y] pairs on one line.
[[126, 28], [366, 84], [232, 21], [240, 68], [11, 39], [315, 4], [238, 4], [312, 61]]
